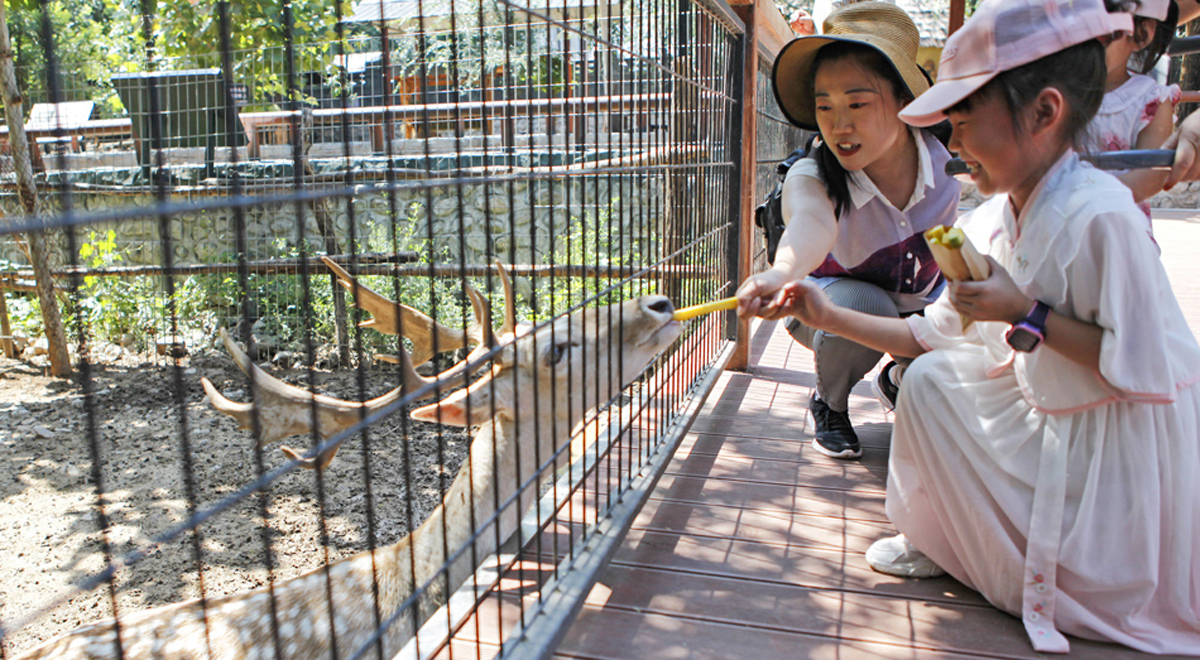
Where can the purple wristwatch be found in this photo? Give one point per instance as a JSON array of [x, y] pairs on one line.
[[1029, 332]]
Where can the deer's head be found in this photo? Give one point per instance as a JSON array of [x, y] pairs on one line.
[[563, 368]]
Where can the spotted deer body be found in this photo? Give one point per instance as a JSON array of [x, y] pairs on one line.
[[569, 367]]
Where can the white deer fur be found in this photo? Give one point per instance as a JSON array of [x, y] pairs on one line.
[[569, 367]]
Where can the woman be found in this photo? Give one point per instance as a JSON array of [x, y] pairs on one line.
[[856, 208]]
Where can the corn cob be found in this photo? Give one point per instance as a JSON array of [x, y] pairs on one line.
[[700, 310]]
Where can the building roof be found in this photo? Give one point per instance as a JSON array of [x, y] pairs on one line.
[[932, 18]]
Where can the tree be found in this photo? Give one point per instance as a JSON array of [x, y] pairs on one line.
[[189, 30], [60, 359], [92, 40]]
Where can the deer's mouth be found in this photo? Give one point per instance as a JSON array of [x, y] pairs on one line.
[[664, 336]]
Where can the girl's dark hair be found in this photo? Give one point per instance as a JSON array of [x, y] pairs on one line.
[[1144, 60], [1078, 73], [836, 179]]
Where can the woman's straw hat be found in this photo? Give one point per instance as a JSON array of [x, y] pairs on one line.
[[880, 25]]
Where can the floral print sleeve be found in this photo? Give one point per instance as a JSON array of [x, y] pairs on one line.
[[1166, 94]]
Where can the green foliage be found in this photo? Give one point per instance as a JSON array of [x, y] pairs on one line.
[[593, 240], [92, 39], [24, 313], [132, 311], [191, 30], [547, 75]]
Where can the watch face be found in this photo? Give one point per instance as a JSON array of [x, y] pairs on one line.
[[1021, 339]]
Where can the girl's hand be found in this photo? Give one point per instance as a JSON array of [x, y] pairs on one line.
[[995, 299], [758, 290], [802, 299]]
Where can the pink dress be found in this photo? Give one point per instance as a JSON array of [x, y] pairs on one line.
[[1068, 497], [1123, 114]]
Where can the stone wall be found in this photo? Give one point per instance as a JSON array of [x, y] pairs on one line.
[[534, 214]]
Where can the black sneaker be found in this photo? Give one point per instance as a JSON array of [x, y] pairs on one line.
[[832, 433], [885, 388]]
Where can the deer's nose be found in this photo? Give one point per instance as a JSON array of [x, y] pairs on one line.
[[659, 304]]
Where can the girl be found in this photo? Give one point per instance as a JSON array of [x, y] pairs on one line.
[[857, 206], [1137, 112], [1047, 456]]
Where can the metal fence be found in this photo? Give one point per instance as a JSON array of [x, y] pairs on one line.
[[591, 150]]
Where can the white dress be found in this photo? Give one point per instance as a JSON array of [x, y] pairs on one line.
[[1066, 496], [1123, 114]]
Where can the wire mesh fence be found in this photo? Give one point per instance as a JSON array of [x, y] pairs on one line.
[[467, 230]]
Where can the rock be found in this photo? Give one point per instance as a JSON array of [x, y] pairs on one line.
[[286, 359], [41, 346], [107, 352], [43, 432], [171, 346]]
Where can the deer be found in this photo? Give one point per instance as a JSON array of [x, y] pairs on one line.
[[570, 365]]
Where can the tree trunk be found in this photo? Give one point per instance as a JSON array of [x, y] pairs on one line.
[[60, 359]]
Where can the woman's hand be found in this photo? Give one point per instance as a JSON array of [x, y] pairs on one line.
[[758, 290], [995, 299], [802, 299]]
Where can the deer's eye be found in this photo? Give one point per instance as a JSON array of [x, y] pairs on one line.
[[556, 352]]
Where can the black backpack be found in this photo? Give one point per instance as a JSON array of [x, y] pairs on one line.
[[769, 214]]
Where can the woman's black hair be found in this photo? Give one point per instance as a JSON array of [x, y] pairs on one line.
[[836, 179], [1078, 73], [1144, 60]]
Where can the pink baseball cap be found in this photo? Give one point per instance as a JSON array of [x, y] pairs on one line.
[[1003, 35], [1156, 9]]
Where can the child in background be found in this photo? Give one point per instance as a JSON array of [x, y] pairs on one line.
[[1048, 455], [1137, 112]]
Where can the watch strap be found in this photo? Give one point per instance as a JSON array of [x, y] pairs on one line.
[[1037, 316]]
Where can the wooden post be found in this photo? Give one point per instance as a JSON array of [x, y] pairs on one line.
[[958, 13], [6, 342], [747, 170]]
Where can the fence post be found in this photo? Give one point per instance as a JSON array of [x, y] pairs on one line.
[[747, 156]]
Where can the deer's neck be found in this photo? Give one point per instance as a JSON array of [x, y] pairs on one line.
[[501, 458]]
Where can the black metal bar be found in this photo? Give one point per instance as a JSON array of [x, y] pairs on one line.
[[1109, 160], [1181, 46]]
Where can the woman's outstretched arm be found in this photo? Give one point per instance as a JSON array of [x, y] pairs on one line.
[[807, 302]]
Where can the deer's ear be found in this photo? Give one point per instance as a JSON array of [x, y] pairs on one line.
[[452, 411], [475, 400]]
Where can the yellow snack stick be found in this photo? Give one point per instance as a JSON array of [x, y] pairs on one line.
[[707, 308]]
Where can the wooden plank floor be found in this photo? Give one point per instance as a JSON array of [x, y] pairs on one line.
[[752, 543]]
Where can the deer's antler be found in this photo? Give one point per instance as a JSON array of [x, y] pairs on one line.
[[286, 410], [389, 317]]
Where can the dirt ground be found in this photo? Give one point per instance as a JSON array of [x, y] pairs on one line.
[[49, 535]]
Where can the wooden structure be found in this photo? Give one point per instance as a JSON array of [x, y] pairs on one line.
[[275, 127]]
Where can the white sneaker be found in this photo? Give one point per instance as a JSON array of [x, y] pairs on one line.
[[896, 556]]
